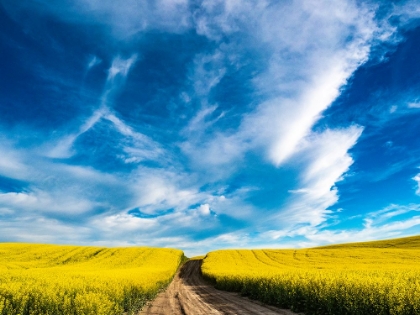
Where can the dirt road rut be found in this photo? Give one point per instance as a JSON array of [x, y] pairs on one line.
[[189, 294]]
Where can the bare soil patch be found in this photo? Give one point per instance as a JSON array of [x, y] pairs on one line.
[[190, 294]]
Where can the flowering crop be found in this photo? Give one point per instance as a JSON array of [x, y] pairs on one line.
[[359, 278], [51, 279]]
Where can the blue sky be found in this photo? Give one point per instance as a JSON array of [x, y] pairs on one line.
[[209, 124]]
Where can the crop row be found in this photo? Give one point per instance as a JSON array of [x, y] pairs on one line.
[[82, 280], [323, 281]]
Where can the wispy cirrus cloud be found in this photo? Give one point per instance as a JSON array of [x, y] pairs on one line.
[[94, 60], [417, 179], [327, 160], [123, 20], [117, 72]]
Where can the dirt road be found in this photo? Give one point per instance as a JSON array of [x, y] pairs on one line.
[[189, 294]]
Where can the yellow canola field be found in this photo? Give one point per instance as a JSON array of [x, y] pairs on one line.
[[359, 278], [51, 279]]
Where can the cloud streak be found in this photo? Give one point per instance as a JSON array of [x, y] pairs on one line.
[[118, 71]]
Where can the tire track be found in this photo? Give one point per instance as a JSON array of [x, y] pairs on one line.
[[189, 294]]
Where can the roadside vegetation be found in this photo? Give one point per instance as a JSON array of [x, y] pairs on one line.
[[359, 278], [51, 279]]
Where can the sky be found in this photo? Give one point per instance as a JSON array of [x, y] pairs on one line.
[[209, 124]]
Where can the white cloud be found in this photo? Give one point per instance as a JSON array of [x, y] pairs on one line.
[[94, 60], [6, 211], [200, 121], [11, 164], [417, 179], [132, 17], [91, 121], [204, 209], [235, 205], [120, 67], [328, 155], [37, 229], [121, 20], [390, 212], [55, 189], [413, 105], [45, 202], [138, 147], [63, 147], [208, 70], [121, 223], [158, 190], [407, 11], [324, 160], [313, 77], [216, 156]]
